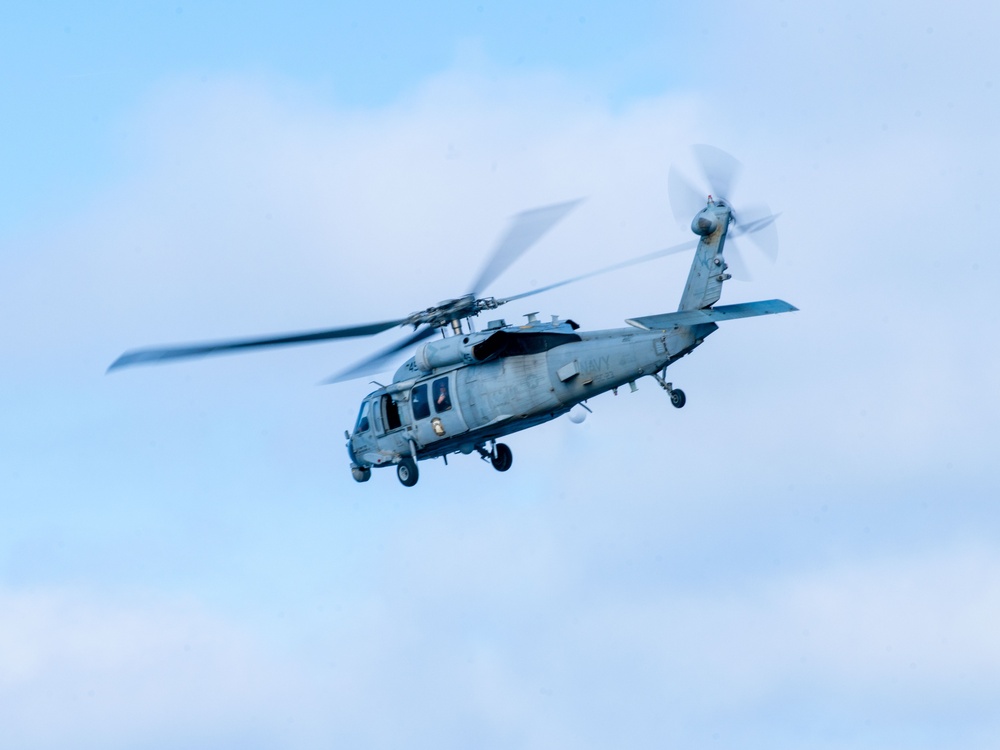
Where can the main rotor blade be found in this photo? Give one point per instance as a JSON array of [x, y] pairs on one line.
[[750, 228], [524, 230], [689, 245], [721, 170], [162, 354], [378, 361]]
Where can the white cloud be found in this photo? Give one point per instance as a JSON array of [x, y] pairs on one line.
[[457, 644], [94, 671], [579, 656], [581, 599]]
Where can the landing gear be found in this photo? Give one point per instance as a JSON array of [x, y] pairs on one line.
[[406, 471], [677, 397], [502, 458], [361, 474]]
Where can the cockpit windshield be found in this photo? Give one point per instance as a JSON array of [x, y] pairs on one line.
[[363, 423]]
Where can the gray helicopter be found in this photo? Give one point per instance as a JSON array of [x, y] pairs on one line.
[[463, 391]]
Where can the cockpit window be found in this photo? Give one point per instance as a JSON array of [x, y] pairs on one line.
[[390, 413], [442, 398], [421, 406], [363, 424]]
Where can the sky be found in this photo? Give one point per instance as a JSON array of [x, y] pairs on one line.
[[806, 555]]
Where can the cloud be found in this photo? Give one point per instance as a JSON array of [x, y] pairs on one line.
[[586, 658], [801, 550], [507, 633], [94, 671]]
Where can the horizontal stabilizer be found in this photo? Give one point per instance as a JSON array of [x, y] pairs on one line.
[[711, 314]]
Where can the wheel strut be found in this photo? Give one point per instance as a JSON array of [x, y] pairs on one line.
[[499, 455], [677, 397]]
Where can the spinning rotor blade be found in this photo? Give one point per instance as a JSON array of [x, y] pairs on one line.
[[525, 229], [758, 223], [685, 199], [751, 228], [736, 265], [689, 245], [720, 172], [377, 361], [163, 354], [720, 169]]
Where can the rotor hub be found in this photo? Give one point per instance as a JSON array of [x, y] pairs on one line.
[[704, 223], [448, 312]]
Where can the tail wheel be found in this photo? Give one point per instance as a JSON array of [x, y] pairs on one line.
[[502, 458], [677, 397], [406, 471]]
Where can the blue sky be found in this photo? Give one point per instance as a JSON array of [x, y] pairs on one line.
[[73, 72], [805, 555]]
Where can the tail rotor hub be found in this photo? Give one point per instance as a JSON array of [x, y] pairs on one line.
[[704, 224]]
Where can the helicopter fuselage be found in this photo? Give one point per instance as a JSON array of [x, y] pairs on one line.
[[460, 393], [530, 375]]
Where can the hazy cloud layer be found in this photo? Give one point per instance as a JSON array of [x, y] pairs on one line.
[[803, 555]]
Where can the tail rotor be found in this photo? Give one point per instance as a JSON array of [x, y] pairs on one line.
[[720, 173]]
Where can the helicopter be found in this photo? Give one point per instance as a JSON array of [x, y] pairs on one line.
[[461, 392]]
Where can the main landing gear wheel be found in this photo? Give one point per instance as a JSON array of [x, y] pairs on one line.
[[407, 472], [677, 398], [502, 458]]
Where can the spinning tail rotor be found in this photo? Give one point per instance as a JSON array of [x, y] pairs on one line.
[[720, 174]]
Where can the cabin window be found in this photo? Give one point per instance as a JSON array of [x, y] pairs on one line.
[[442, 398], [363, 424], [418, 399], [390, 413]]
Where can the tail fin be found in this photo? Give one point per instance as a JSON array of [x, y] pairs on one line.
[[708, 269]]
